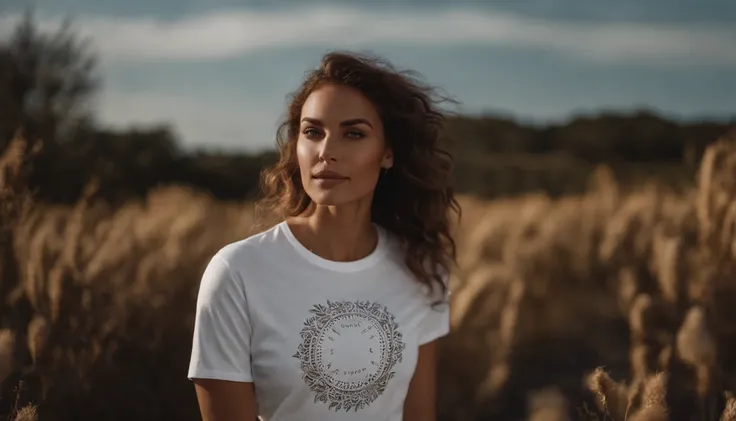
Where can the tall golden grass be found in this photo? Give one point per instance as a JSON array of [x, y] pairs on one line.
[[553, 300], [641, 281], [15, 201]]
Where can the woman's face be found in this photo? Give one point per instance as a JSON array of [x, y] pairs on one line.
[[341, 146]]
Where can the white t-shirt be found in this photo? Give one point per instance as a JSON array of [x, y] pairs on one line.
[[321, 340]]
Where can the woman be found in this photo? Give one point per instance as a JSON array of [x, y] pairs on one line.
[[334, 312]]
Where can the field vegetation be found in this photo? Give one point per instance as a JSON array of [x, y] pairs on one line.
[[615, 304]]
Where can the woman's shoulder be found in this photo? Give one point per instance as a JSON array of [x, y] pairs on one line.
[[251, 248]]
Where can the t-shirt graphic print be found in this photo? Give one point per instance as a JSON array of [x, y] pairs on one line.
[[347, 351]]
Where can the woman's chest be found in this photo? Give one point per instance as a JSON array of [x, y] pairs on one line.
[[336, 349]]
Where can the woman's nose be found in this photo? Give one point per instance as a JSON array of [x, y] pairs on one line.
[[326, 157], [328, 152]]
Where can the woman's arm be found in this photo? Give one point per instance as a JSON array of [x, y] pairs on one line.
[[220, 364], [222, 400], [421, 400]]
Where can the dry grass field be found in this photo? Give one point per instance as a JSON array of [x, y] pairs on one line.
[[612, 305]]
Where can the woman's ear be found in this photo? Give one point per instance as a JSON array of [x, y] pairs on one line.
[[388, 159]]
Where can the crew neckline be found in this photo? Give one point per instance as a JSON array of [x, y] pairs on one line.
[[352, 266]]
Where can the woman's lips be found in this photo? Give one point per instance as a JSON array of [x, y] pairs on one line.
[[329, 182], [327, 179]]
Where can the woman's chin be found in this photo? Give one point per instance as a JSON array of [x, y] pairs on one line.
[[333, 198], [329, 199]]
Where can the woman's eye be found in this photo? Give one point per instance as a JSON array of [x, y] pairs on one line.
[[311, 132], [355, 134]]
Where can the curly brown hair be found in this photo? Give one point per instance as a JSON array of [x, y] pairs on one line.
[[413, 200]]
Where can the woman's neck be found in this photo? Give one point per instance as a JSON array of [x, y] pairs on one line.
[[341, 234]]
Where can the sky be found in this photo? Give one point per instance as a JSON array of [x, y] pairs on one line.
[[219, 71]]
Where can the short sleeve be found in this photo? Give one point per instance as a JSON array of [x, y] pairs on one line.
[[221, 342], [436, 321]]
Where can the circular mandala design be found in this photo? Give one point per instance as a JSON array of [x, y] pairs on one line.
[[348, 352]]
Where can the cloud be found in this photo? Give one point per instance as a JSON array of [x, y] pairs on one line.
[[231, 33]]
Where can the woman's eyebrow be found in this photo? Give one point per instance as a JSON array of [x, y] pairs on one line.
[[355, 121], [351, 122]]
